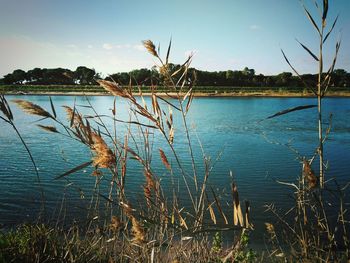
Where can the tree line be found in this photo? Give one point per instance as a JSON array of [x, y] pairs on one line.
[[147, 77]]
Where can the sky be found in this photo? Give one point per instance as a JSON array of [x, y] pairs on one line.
[[223, 35]]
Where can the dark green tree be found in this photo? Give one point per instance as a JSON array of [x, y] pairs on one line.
[[85, 76]]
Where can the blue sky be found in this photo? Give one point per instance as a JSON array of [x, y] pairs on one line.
[[107, 34]]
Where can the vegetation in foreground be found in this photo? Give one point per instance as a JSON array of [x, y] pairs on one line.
[[160, 228]]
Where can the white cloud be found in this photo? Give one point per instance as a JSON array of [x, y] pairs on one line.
[[254, 27], [107, 46], [72, 46], [139, 47], [90, 46], [20, 52]]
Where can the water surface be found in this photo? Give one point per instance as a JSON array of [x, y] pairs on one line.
[[232, 131]]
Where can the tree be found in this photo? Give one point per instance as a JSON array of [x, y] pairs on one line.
[[283, 79], [248, 72], [19, 76], [8, 79], [84, 75], [35, 75], [340, 78], [57, 76]]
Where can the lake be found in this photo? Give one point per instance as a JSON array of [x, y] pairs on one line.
[[233, 131]]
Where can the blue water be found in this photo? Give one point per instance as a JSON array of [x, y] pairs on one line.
[[232, 131]]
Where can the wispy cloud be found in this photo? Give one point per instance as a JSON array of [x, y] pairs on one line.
[[72, 46], [108, 58], [107, 46], [139, 47], [254, 27]]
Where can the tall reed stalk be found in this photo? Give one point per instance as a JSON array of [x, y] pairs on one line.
[[314, 228]]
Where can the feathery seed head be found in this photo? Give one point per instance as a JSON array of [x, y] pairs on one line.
[[151, 48]]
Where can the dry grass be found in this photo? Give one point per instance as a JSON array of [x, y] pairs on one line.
[[159, 227]]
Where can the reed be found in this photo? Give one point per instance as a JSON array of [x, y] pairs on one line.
[[314, 228], [158, 227]]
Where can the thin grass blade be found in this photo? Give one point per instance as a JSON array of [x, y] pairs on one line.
[[291, 110], [75, 169], [53, 108], [308, 50], [312, 20], [168, 53], [330, 31]]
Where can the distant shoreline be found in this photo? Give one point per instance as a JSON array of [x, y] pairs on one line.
[[196, 94]]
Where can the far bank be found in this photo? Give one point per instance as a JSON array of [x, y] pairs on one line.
[[199, 91]]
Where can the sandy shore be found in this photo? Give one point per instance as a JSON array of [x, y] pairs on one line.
[[198, 94]]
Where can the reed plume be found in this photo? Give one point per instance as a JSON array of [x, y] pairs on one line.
[[32, 108], [309, 174], [104, 157], [137, 231], [164, 159], [113, 88], [48, 128], [116, 224], [151, 48], [150, 184]]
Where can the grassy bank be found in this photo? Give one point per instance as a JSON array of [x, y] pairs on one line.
[[198, 91]]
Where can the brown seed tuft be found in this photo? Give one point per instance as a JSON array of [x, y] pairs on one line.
[[270, 229], [104, 157], [151, 48], [137, 231], [48, 128], [164, 159], [149, 186], [74, 117], [116, 224], [32, 108], [113, 88], [309, 174]]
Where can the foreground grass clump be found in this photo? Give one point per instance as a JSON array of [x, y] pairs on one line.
[[42, 243]]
